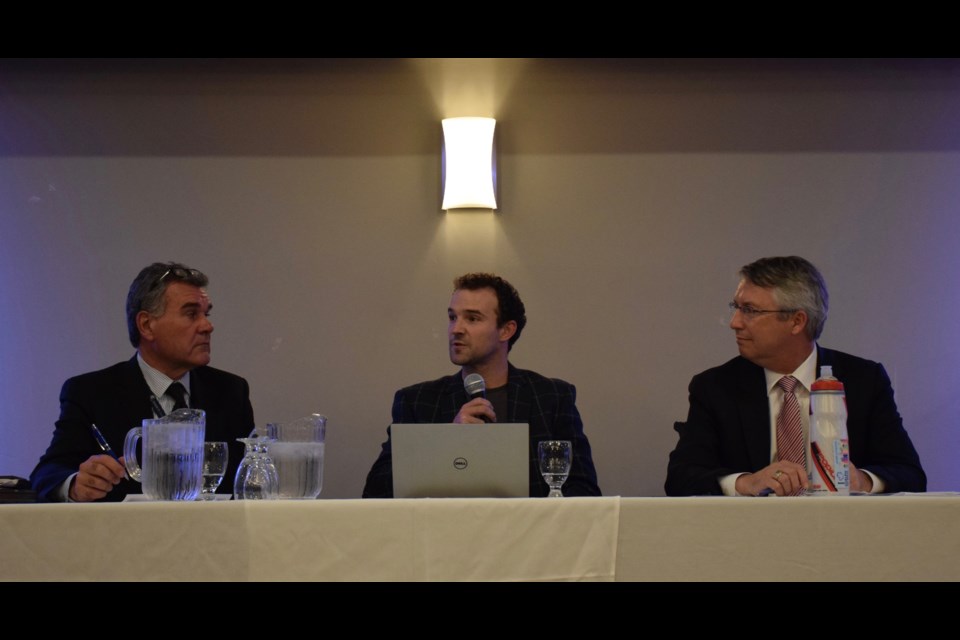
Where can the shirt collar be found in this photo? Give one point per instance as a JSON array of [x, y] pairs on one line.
[[806, 373], [159, 381]]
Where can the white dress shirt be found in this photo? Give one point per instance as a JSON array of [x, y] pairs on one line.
[[159, 382], [805, 374]]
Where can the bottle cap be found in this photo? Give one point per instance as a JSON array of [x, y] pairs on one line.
[[826, 381]]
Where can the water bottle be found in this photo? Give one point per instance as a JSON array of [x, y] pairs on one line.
[[829, 469]]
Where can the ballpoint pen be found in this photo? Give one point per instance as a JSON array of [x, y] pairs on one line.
[[107, 449], [103, 442]]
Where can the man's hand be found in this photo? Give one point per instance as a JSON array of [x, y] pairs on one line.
[[96, 478], [859, 480], [474, 411], [782, 477]]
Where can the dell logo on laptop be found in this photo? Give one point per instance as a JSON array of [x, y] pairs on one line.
[[460, 463]]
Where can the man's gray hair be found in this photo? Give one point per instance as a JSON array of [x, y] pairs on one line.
[[796, 285], [148, 289]]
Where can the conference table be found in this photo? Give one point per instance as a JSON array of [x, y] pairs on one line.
[[869, 538]]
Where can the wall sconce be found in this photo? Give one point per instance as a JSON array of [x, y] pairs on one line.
[[469, 169]]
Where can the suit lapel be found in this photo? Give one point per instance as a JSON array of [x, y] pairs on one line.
[[211, 403], [754, 407], [453, 397], [198, 399], [519, 397], [134, 395]]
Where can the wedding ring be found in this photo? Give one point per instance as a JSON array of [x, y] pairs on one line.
[[777, 474]]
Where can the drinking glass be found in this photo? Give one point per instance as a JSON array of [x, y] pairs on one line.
[[555, 457], [214, 466], [257, 477]]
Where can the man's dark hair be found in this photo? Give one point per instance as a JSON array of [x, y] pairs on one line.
[[796, 285], [509, 305], [148, 288]]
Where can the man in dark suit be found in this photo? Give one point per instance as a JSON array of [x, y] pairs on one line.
[[730, 443], [486, 317], [167, 320]]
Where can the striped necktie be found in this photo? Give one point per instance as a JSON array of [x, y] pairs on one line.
[[790, 440]]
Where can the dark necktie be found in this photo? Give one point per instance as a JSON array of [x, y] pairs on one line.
[[178, 393]]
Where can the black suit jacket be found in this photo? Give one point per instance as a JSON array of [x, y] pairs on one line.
[[546, 404], [728, 426], [117, 399]]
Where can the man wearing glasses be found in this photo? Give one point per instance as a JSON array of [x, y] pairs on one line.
[[731, 444], [168, 323]]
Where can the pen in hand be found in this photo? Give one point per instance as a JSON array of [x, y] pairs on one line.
[[104, 444]]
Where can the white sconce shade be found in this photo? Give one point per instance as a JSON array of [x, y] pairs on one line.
[[469, 173]]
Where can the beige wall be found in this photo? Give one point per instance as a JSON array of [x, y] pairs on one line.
[[631, 193]]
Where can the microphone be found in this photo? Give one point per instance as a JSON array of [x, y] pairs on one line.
[[475, 387]]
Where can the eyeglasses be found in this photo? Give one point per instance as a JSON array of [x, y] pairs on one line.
[[750, 313], [179, 272]]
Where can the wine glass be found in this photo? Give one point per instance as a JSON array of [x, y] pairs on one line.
[[257, 477], [214, 466], [554, 457]]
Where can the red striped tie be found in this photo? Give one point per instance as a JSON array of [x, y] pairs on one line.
[[790, 440]]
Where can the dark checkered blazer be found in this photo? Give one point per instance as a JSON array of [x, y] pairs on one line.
[[548, 405]]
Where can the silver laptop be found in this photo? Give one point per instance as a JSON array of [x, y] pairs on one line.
[[461, 460]]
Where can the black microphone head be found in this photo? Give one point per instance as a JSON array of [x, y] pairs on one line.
[[475, 387]]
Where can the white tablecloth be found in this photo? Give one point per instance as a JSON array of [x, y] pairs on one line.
[[656, 539]]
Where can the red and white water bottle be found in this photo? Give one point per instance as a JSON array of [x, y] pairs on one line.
[[829, 467]]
